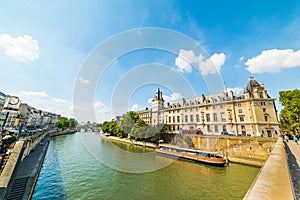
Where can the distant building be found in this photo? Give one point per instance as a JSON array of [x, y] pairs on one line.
[[253, 113], [2, 114], [11, 106]]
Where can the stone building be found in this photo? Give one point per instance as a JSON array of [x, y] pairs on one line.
[[2, 114], [11, 109], [253, 113]]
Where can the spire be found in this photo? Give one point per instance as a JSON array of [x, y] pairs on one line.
[[158, 94]]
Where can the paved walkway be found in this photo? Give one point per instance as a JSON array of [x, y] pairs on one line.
[[293, 156], [27, 173]]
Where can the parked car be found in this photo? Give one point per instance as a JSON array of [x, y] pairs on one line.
[[224, 133]]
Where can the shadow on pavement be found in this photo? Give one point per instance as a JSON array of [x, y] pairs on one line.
[[294, 171]]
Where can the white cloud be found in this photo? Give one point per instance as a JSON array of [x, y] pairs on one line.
[[57, 111], [241, 58], [136, 107], [174, 97], [273, 60], [236, 90], [84, 81], [56, 100], [213, 64], [207, 66], [150, 100], [184, 60], [34, 94], [23, 49], [101, 107]]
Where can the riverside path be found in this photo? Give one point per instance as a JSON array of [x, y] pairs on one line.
[[293, 157]]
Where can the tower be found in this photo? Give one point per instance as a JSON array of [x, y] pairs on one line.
[[157, 108]]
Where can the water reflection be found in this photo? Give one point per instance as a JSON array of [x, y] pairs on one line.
[[84, 177]]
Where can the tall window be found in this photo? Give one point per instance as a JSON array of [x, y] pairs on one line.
[[242, 118], [266, 118], [207, 117], [223, 116], [186, 118], [224, 127], [239, 105], [197, 118], [173, 119], [169, 119], [209, 128], [192, 118], [261, 95], [178, 119], [215, 117], [216, 129]]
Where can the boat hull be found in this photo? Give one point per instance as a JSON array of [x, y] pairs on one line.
[[209, 161]]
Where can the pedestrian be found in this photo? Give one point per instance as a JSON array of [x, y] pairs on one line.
[[295, 139], [286, 137]]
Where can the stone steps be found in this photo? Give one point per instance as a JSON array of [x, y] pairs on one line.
[[18, 189]]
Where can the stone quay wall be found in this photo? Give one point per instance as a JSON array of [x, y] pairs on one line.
[[9, 170], [245, 150]]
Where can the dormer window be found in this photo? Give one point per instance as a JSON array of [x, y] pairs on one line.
[[261, 95]]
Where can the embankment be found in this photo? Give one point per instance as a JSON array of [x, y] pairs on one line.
[[126, 140], [26, 160], [9, 169], [273, 180], [244, 150]]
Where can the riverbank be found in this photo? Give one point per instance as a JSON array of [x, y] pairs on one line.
[[18, 179], [126, 140], [248, 158]]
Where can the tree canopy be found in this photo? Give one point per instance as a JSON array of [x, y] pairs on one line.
[[128, 120], [137, 128], [290, 114], [64, 122]]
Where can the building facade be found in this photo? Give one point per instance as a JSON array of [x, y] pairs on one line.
[[15, 114], [251, 114]]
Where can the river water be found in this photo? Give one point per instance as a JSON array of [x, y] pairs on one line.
[[74, 169]]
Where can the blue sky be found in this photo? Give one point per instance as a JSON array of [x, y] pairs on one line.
[[44, 45]]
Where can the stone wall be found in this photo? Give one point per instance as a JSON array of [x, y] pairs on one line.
[[9, 169], [245, 150], [273, 180]]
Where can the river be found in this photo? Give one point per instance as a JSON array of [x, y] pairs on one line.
[[75, 168]]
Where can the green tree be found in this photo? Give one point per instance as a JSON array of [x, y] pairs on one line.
[[64, 122], [112, 128], [72, 123], [59, 124], [128, 120], [290, 114], [105, 127]]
